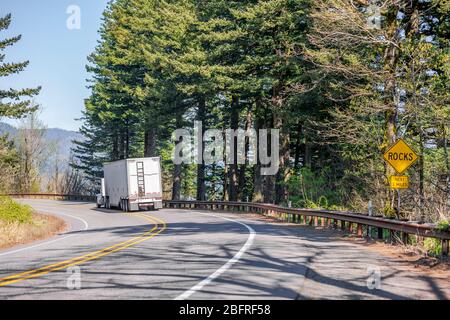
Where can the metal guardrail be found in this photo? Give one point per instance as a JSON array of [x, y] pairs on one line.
[[54, 196], [360, 224]]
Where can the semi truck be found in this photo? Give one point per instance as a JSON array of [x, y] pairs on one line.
[[131, 185]]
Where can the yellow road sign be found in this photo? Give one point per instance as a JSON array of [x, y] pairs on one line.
[[400, 156], [399, 182]]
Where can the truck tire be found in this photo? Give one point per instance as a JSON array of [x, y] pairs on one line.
[[123, 205]]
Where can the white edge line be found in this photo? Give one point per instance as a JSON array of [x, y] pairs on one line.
[[86, 227], [226, 266]]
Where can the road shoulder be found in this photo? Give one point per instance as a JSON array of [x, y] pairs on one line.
[[42, 227]]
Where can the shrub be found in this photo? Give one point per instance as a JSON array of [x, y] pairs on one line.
[[443, 225], [389, 213], [11, 211], [432, 246], [313, 190]]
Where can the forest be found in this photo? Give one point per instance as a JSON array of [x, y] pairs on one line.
[[341, 80]]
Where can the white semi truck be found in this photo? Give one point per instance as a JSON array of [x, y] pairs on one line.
[[131, 185]]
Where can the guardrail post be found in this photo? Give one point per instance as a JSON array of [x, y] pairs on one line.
[[316, 221], [359, 230], [392, 239], [405, 238], [444, 247], [368, 232], [322, 222], [380, 234], [350, 227], [335, 224]]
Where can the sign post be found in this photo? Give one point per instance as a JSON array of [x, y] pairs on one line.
[[401, 157]]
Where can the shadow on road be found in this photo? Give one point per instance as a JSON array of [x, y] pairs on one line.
[[285, 262]]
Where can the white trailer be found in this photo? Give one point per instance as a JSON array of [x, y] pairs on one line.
[[132, 184]]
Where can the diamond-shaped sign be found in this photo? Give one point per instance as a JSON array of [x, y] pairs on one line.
[[400, 156]]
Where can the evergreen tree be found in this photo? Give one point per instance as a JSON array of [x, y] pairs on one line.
[[12, 104]]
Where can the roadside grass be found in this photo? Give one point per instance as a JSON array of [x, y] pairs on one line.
[[19, 224]]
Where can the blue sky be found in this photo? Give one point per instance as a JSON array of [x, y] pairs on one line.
[[57, 55]]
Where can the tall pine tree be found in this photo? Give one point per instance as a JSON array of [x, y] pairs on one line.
[[12, 104]]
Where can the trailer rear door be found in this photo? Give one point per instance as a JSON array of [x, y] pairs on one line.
[[145, 179]]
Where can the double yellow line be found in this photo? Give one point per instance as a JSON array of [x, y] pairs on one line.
[[159, 226]]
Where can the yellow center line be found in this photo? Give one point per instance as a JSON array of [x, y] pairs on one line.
[[90, 256]]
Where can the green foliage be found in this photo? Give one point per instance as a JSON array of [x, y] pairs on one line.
[[389, 212], [9, 164], [433, 246], [11, 105], [320, 75], [312, 190], [443, 225], [11, 211]]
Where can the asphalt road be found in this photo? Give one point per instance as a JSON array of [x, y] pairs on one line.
[[178, 254]]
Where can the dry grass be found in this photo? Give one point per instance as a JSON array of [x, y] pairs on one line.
[[41, 227]]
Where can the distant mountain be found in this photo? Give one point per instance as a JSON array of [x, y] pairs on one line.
[[63, 137]]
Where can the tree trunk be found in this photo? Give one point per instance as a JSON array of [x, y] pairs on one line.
[[269, 181], [226, 196], [115, 147], [390, 136], [127, 139], [390, 57], [233, 167], [177, 170], [258, 188], [282, 176], [150, 141], [447, 162], [201, 186], [243, 167], [308, 155], [421, 177], [298, 146], [121, 145]]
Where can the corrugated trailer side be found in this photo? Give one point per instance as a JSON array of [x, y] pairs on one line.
[[116, 182]]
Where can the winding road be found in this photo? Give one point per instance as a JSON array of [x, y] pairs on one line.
[[181, 254]]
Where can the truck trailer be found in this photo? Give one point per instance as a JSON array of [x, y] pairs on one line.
[[131, 184]]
